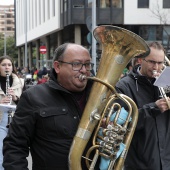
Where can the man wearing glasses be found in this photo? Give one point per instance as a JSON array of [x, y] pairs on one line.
[[150, 146], [48, 114]]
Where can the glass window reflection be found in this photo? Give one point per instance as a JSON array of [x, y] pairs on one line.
[[109, 3], [117, 3]]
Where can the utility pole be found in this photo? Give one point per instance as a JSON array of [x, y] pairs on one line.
[[93, 39], [25, 18], [5, 16]]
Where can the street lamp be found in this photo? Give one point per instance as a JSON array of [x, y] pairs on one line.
[[25, 18], [93, 39], [5, 34]]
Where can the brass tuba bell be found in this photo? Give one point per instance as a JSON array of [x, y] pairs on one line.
[[119, 46]]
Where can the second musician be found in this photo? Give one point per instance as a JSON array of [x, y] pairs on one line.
[[149, 149], [10, 90]]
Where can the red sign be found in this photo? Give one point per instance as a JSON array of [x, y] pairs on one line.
[[43, 49]]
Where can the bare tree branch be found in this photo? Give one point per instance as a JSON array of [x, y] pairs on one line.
[[160, 13]]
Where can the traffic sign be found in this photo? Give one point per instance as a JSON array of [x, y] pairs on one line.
[[43, 49]]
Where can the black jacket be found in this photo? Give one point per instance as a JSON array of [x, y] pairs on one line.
[[46, 120], [150, 148]]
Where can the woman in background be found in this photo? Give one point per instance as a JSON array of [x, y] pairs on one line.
[[8, 96]]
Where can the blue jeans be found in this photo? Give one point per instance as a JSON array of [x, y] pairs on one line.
[[3, 133]]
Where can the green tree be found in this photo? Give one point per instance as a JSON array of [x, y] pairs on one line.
[[11, 49], [1, 44]]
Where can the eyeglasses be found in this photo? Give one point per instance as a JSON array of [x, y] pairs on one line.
[[76, 66], [151, 62]]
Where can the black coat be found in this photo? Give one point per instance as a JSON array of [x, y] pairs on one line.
[[150, 148], [46, 120]]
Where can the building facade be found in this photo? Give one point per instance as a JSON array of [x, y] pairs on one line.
[[7, 20], [51, 23]]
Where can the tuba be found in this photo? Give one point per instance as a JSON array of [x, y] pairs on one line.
[[118, 47]]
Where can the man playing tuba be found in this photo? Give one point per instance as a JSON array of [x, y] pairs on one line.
[[48, 114]]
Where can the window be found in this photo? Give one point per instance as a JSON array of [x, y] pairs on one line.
[[117, 3], [166, 33], [143, 3], [166, 4], [9, 22], [151, 33], [89, 3], [104, 3], [79, 3], [9, 28], [8, 16]]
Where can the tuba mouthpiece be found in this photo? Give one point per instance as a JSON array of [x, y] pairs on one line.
[[82, 77], [154, 72]]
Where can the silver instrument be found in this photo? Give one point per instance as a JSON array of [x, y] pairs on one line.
[[7, 83], [7, 94], [162, 91]]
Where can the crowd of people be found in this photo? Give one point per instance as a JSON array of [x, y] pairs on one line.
[[33, 76], [47, 115]]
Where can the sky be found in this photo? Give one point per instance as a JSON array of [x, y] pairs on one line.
[[6, 2]]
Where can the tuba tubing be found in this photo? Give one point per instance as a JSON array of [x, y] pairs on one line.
[[119, 46]]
